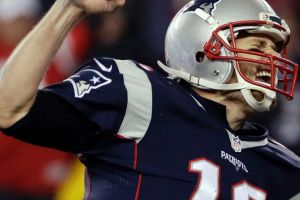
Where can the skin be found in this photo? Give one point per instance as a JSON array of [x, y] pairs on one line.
[[21, 74], [237, 109], [25, 68]]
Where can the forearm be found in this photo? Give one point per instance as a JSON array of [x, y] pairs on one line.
[[26, 66]]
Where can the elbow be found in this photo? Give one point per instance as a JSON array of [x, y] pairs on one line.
[[6, 115], [11, 111], [9, 117], [7, 120]]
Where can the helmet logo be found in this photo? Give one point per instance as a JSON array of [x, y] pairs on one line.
[[207, 5]]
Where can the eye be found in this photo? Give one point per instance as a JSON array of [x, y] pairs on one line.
[[256, 50], [279, 47]]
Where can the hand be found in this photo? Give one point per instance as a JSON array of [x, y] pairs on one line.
[[98, 6]]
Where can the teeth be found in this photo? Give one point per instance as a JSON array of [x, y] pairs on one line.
[[263, 73]]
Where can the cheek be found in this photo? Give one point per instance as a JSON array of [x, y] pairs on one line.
[[248, 68]]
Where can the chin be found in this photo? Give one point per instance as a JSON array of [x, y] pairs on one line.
[[238, 99], [259, 96]]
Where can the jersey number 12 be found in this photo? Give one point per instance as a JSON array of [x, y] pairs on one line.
[[208, 187]]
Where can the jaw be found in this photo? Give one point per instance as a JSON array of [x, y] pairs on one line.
[[237, 109], [258, 96], [236, 99], [255, 96]]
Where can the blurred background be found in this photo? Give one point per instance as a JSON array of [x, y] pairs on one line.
[[135, 32]]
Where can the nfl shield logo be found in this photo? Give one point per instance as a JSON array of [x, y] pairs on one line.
[[236, 144]]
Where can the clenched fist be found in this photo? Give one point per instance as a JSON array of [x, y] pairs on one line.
[[98, 6]]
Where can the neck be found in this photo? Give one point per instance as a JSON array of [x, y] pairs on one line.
[[236, 115], [237, 110]]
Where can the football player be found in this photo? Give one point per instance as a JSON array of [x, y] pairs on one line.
[[144, 136]]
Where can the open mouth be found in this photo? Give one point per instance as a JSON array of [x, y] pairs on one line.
[[264, 76]]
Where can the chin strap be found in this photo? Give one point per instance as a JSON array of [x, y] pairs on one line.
[[200, 82], [242, 85], [259, 106]]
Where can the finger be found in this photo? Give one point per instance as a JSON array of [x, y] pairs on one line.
[[77, 3], [112, 5]]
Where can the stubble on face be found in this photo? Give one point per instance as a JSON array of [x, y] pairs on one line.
[[249, 70]]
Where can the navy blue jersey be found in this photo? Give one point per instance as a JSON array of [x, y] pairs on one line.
[[158, 140]]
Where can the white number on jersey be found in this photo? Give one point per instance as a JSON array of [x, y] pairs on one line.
[[208, 187]]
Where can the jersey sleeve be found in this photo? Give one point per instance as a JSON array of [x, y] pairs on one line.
[[109, 97], [114, 94], [97, 90], [53, 123]]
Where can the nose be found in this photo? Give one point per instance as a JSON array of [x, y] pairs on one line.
[[272, 52], [121, 2], [275, 53]]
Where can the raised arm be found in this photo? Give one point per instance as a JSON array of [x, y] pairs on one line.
[[24, 69]]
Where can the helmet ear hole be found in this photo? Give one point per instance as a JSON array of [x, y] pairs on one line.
[[200, 56]]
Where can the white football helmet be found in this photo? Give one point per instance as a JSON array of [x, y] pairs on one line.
[[200, 48]]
